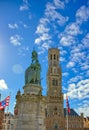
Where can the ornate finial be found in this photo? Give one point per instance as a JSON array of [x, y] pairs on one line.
[[19, 91], [18, 94]]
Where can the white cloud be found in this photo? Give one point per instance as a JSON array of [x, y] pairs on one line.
[[17, 69], [68, 37], [62, 51], [41, 50], [83, 82], [42, 29], [23, 50], [53, 15], [64, 89], [67, 40], [59, 4], [79, 90], [24, 6], [45, 36], [44, 21], [3, 85], [13, 26], [65, 74], [87, 72], [82, 14], [24, 24], [83, 107], [75, 79], [51, 20], [85, 41], [62, 59], [38, 40], [85, 66], [45, 45], [16, 40], [79, 57], [75, 49], [42, 38], [73, 29], [70, 64], [84, 110]]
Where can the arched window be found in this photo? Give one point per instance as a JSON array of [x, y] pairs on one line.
[[51, 70], [51, 57], [54, 56], [57, 57], [55, 82], [56, 126]]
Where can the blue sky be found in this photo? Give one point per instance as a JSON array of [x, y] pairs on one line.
[[41, 24]]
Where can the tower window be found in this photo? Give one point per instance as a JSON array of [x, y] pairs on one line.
[[55, 82], [54, 63], [51, 70], [55, 70], [56, 126], [57, 57], [50, 57], [55, 108], [54, 56]]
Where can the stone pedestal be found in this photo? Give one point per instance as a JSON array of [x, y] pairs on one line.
[[32, 89], [31, 109]]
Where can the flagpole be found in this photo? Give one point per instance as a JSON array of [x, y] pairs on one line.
[[67, 111], [0, 96], [67, 117]]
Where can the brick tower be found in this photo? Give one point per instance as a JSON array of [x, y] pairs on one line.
[[54, 110]]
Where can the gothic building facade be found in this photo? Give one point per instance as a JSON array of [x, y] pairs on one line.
[[33, 111]]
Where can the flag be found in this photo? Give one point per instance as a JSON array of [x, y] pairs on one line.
[[67, 105], [4, 103]]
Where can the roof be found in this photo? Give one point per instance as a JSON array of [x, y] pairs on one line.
[[72, 112]]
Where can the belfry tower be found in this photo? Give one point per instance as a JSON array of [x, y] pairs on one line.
[[55, 110]]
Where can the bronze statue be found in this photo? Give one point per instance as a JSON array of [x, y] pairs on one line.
[[32, 74]]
